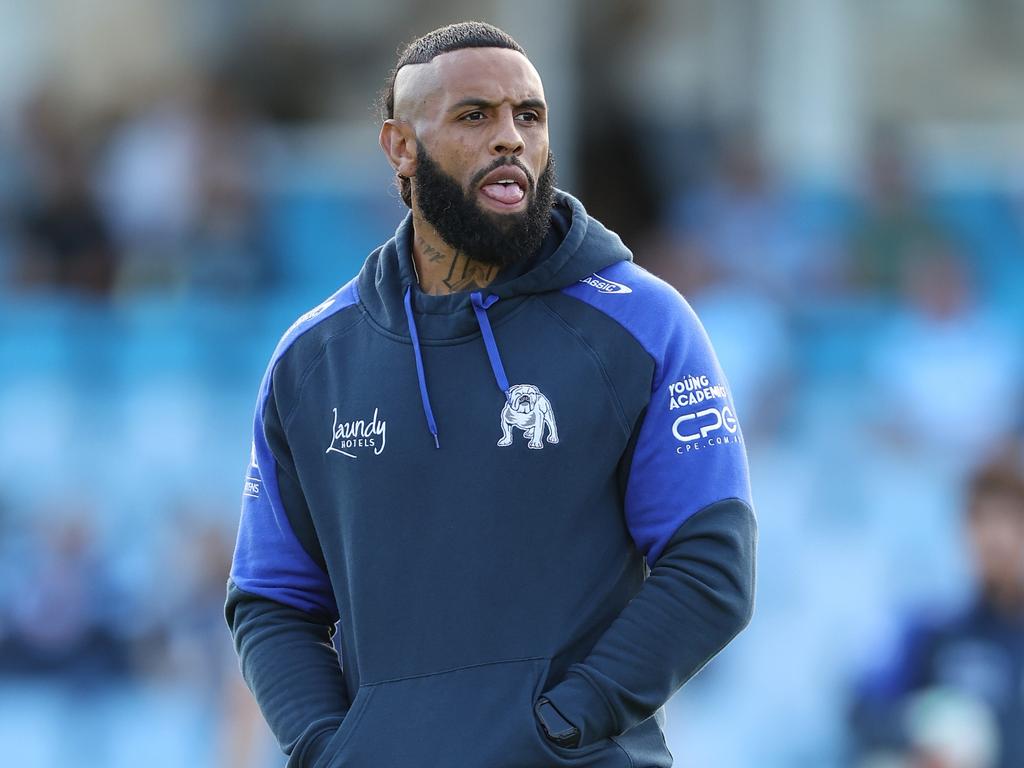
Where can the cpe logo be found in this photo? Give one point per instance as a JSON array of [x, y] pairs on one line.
[[605, 285], [703, 423]]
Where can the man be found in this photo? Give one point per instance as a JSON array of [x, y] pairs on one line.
[[467, 453], [971, 657]]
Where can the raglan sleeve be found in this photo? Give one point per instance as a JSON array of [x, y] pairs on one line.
[[687, 503], [280, 606]]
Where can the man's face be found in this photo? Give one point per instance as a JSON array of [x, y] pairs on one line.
[[478, 138]]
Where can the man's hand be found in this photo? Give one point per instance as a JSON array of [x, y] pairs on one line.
[[555, 727]]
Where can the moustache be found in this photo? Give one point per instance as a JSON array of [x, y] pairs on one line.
[[502, 161]]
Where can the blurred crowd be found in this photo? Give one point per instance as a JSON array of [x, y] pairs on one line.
[[872, 331], [163, 199]]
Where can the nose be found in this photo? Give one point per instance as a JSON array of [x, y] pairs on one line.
[[506, 139]]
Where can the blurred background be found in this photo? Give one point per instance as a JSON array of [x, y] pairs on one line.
[[836, 185]]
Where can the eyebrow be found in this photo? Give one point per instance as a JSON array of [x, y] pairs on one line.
[[477, 102]]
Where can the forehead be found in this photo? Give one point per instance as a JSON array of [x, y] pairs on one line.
[[490, 74]]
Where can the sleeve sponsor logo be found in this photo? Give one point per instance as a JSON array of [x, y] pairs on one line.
[[694, 390], [604, 285], [699, 428], [252, 487]]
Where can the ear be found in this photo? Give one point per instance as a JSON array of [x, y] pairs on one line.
[[398, 140]]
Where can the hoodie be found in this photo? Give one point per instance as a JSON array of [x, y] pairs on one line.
[[458, 507]]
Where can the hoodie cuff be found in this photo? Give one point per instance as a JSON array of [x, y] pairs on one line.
[[315, 748], [579, 702]]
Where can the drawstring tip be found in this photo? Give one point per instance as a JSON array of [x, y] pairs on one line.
[[436, 443]]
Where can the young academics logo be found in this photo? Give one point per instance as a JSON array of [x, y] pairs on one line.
[[527, 409], [347, 436], [604, 285], [714, 424]]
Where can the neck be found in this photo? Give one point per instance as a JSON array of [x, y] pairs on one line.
[[440, 268]]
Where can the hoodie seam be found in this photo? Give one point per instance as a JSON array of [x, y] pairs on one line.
[[439, 672], [629, 757], [312, 364], [620, 411], [452, 342], [442, 313]]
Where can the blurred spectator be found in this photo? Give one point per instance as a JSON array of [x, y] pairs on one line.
[[193, 608], [228, 256], [958, 677], [178, 183], [949, 729], [894, 226], [741, 228], [63, 241], [946, 369], [58, 615]]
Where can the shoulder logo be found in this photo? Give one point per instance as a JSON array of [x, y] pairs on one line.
[[253, 481], [314, 312], [604, 285], [527, 409], [348, 437], [252, 487], [702, 427]]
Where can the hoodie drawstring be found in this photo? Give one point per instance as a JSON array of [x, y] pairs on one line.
[[427, 411], [480, 306]]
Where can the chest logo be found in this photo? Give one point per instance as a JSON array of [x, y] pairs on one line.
[[348, 437], [527, 409]]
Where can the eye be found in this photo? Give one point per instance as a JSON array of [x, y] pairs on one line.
[[529, 117], [473, 117]]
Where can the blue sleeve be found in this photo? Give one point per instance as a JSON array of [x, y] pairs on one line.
[[687, 506], [280, 606], [689, 453], [269, 559]]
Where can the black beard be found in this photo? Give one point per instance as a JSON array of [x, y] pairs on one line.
[[490, 238]]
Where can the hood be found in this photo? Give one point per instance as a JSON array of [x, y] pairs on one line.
[[577, 245]]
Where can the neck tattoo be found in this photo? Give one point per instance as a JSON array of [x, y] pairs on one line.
[[453, 271]]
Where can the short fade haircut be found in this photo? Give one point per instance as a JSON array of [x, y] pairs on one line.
[[422, 50]]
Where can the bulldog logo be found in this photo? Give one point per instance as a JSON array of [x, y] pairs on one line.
[[527, 409]]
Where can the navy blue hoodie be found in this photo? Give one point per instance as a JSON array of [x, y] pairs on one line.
[[535, 490]]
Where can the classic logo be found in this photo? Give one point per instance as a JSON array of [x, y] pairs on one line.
[[317, 310], [349, 436], [527, 409], [604, 285]]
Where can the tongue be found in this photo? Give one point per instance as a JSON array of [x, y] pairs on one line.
[[504, 193]]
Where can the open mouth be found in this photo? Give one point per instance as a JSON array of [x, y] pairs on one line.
[[507, 192], [505, 185]]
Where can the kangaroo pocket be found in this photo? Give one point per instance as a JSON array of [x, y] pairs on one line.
[[472, 717]]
